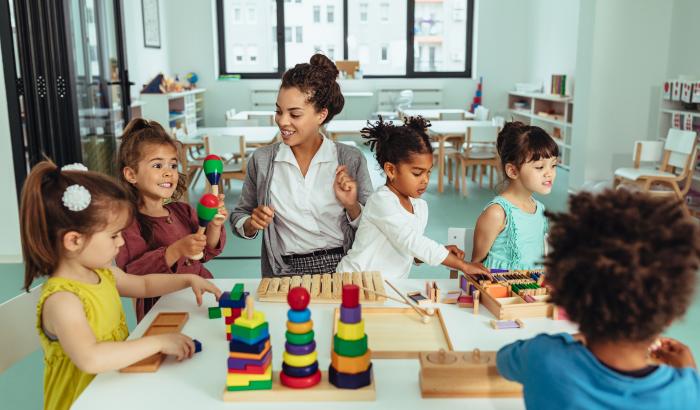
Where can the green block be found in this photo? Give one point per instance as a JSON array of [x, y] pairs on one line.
[[248, 333], [254, 385], [299, 338], [237, 291], [214, 312], [350, 348]]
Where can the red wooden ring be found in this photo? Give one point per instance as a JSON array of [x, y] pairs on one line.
[[300, 382]]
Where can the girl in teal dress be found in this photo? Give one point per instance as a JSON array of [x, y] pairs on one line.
[[510, 232]]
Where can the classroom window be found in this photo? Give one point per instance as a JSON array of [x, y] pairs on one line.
[[390, 38]]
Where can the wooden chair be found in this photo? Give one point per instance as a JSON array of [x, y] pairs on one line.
[[230, 114], [192, 168], [480, 152], [673, 176], [18, 317], [228, 144]]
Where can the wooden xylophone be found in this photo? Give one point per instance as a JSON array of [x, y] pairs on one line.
[[324, 288]]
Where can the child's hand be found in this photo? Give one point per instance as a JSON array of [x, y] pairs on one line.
[[191, 245], [176, 344], [455, 251], [222, 213], [471, 268], [200, 285], [673, 353]]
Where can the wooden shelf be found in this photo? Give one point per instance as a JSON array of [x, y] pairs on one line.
[[184, 109]]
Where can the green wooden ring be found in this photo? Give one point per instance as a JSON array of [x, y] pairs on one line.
[[350, 348], [299, 339]]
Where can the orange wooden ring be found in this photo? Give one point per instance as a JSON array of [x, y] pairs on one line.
[[300, 328], [351, 365]]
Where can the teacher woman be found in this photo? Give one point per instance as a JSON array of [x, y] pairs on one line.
[[306, 192]]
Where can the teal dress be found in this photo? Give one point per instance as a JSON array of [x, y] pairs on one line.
[[521, 243]]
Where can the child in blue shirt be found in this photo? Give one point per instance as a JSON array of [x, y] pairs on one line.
[[623, 267], [510, 232]]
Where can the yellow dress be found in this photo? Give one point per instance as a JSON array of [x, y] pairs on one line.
[[63, 381]]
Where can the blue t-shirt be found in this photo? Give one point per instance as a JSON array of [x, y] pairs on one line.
[[558, 372]]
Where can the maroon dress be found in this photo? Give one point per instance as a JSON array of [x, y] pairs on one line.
[[138, 258]]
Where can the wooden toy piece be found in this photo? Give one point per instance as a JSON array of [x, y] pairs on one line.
[[507, 324], [475, 300], [171, 322], [197, 345], [245, 366], [299, 316], [243, 379], [256, 348], [207, 208], [215, 312], [452, 297], [427, 311], [237, 292], [254, 385], [357, 280], [299, 371], [350, 381], [253, 356], [350, 315], [300, 382], [227, 301], [299, 360], [327, 287], [299, 339], [511, 306], [465, 301], [300, 350], [322, 392], [418, 298], [398, 333], [298, 298], [351, 365], [350, 348], [351, 296], [351, 331], [300, 328], [368, 286], [250, 335], [463, 374], [432, 291], [424, 318]]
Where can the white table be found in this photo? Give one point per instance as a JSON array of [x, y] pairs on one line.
[[437, 113], [254, 136], [198, 383], [268, 116]]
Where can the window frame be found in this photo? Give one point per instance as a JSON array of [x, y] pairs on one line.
[[410, 45]]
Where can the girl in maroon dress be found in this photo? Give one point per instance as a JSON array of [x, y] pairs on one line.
[[163, 236]]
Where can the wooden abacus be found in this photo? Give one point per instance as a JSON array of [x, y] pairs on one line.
[[325, 288], [511, 295]]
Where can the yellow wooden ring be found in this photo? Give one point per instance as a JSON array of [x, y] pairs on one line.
[[300, 328], [351, 365], [351, 331], [301, 360]]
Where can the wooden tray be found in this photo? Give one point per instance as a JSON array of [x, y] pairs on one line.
[[463, 374], [326, 288], [512, 307], [170, 322], [324, 391], [399, 333]]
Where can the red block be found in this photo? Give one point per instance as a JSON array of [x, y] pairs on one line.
[[228, 336], [351, 296], [229, 320]]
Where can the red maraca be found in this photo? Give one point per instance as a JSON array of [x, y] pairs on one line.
[[207, 208], [213, 168]]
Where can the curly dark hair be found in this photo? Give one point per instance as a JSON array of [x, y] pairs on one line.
[[392, 143], [624, 264], [520, 143], [138, 134], [317, 80]]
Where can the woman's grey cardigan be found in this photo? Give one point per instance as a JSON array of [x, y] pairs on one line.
[[256, 191]]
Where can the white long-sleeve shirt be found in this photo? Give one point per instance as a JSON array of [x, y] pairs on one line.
[[389, 237]]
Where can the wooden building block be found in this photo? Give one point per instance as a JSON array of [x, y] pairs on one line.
[[463, 374], [369, 284], [257, 320], [170, 322], [351, 365], [351, 331]]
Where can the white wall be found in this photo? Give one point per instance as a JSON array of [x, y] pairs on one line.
[[618, 83], [10, 247], [144, 63], [685, 31]]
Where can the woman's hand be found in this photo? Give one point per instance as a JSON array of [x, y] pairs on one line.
[[260, 218], [345, 188]]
